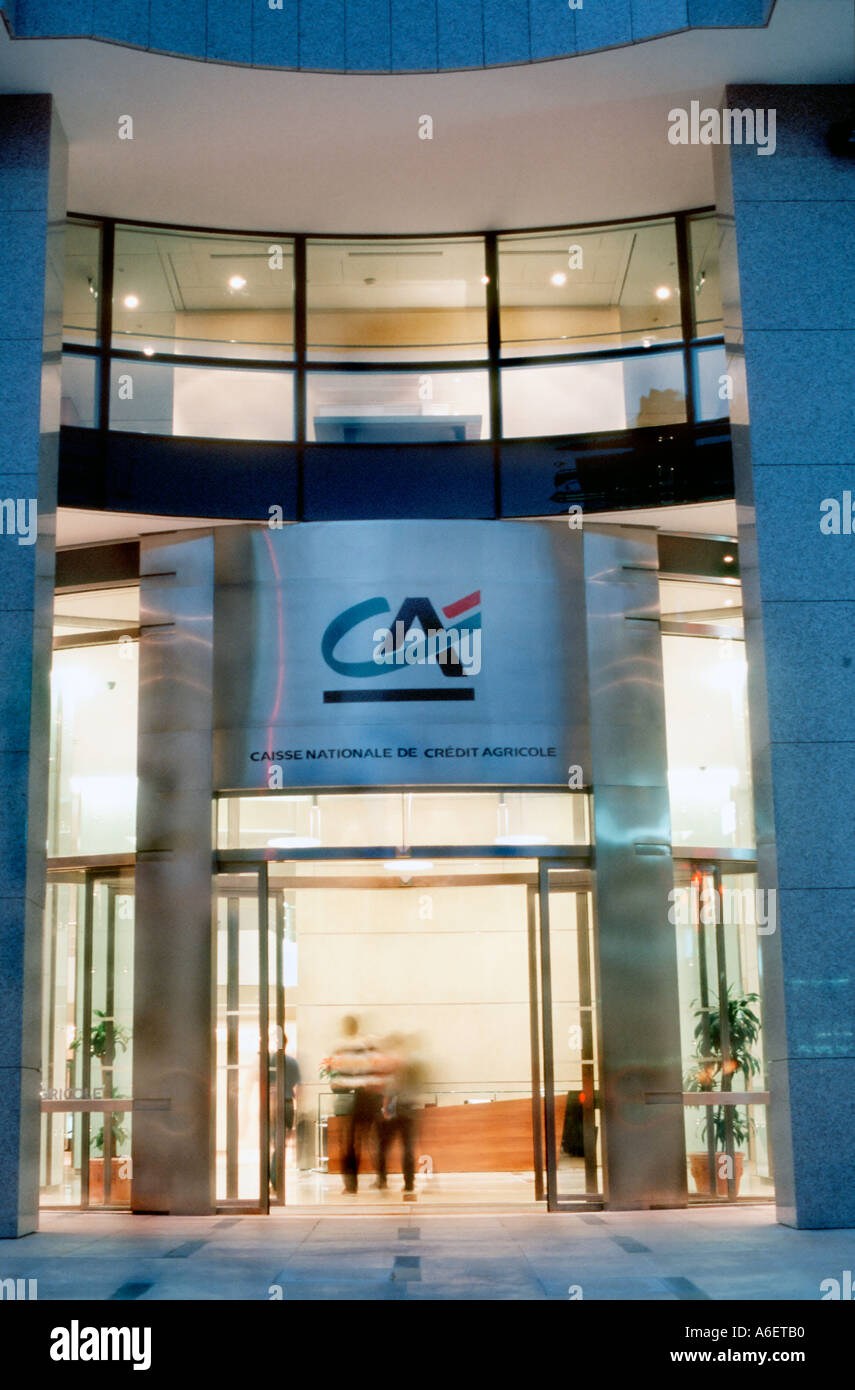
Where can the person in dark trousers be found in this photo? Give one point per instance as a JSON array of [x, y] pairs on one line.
[[287, 1070], [400, 1113], [292, 1086], [359, 1069]]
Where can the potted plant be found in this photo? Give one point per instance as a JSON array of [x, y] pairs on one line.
[[120, 1182], [105, 1037], [713, 1072]]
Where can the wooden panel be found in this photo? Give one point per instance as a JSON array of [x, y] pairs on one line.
[[492, 1138]]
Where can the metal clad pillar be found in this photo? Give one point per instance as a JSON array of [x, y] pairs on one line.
[[640, 1078], [173, 1130]]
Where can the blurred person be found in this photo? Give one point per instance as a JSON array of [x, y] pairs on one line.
[[291, 1090], [284, 1074], [400, 1111], [357, 1068]]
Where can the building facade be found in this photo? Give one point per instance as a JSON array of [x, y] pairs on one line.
[[425, 439]]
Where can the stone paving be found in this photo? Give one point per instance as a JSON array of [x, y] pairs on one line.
[[701, 1254]]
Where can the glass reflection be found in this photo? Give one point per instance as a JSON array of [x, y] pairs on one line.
[[586, 289], [212, 295], [394, 300]]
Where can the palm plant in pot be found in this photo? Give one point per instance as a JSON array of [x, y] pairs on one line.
[[715, 1071]]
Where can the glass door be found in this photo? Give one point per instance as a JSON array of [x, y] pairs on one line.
[[571, 1101], [428, 960], [473, 975]]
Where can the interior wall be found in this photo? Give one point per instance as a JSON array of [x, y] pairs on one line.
[[449, 965]]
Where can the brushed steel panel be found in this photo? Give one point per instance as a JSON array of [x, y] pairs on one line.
[[173, 1003], [644, 1148], [279, 591]]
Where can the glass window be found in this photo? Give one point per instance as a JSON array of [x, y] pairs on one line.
[[96, 610], [238, 1003], [93, 782], [331, 820], [704, 242], [82, 282], [397, 407], [577, 291], [382, 301], [209, 295], [79, 385], [698, 601], [718, 918], [580, 397], [709, 765], [205, 402], [710, 365], [87, 1040]]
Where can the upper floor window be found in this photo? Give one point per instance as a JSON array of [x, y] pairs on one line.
[[396, 301], [202, 294], [583, 290]]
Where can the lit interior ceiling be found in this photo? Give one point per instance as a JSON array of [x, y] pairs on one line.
[[76, 527], [172, 274]]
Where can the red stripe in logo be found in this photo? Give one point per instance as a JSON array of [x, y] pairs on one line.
[[471, 601]]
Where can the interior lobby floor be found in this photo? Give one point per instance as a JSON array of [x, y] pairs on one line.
[[700, 1254]]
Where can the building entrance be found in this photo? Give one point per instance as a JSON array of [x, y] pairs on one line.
[[469, 982]]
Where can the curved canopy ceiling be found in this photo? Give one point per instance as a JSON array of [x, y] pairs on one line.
[[376, 35], [581, 139]]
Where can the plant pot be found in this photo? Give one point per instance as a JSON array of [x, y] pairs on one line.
[[342, 1102], [699, 1165], [120, 1187]]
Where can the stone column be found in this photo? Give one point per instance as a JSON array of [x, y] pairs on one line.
[[33, 158], [788, 229]]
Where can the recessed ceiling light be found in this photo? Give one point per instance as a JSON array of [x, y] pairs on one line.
[[485, 279], [558, 278], [148, 352], [131, 301], [728, 559], [236, 282], [663, 292]]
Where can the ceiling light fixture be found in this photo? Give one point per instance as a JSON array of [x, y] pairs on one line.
[[148, 352], [237, 282], [663, 292], [131, 301], [558, 278]]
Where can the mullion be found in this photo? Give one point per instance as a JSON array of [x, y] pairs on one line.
[[105, 321], [687, 317]]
